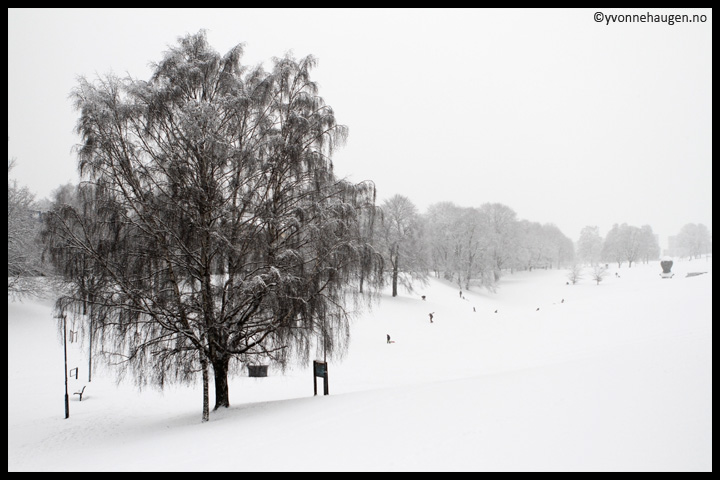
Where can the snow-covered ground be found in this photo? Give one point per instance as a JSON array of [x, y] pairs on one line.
[[609, 377]]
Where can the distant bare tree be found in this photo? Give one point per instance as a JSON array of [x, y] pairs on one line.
[[575, 273], [623, 243], [401, 242], [694, 240], [24, 249], [439, 221], [612, 248], [562, 250], [589, 245], [473, 250], [530, 251], [502, 223], [599, 272], [632, 243], [649, 247], [541, 246], [460, 242]]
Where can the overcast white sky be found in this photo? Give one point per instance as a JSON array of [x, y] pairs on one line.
[[564, 119]]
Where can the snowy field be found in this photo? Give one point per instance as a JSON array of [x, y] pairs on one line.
[[609, 377]]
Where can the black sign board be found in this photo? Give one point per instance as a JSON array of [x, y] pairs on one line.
[[257, 370], [320, 370]]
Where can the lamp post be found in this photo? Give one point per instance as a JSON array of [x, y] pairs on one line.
[[90, 350], [67, 399]]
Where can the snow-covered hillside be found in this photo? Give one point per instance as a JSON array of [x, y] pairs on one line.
[[539, 376]]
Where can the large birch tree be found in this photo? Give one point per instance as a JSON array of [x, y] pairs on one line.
[[213, 227]]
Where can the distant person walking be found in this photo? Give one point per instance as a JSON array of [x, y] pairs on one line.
[[388, 338], [431, 317], [460, 293]]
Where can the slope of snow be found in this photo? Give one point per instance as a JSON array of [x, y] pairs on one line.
[[586, 377]]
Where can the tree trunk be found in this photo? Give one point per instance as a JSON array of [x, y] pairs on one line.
[[222, 396], [395, 277], [206, 388]]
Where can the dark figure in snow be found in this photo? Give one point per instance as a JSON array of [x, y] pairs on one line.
[[431, 318], [388, 340], [473, 309], [537, 309], [562, 301], [423, 297], [460, 293]]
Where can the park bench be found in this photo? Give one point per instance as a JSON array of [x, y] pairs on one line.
[[80, 393]]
